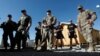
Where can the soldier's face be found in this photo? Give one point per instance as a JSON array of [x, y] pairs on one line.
[[24, 13], [80, 9], [9, 18], [48, 13], [39, 23]]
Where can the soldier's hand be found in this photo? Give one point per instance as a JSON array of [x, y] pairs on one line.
[[79, 29], [23, 32], [54, 31], [90, 22], [19, 28]]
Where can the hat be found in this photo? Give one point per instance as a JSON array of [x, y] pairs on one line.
[[9, 15], [39, 22], [49, 11], [70, 20], [79, 7], [23, 11], [44, 21]]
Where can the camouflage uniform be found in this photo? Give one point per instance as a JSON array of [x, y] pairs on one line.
[[86, 28], [51, 21], [22, 33], [44, 35]]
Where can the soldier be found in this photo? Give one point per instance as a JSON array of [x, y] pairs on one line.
[[8, 27], [59, 35], [85, 23], [45, 37], [24, 25], [51, 21], [38, 34], [72, 34]]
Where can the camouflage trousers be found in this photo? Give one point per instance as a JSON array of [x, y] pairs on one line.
[[47, 37], [86, 31]]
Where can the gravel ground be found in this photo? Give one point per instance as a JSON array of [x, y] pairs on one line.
[[59, 52]]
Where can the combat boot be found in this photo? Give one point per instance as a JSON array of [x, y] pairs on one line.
[[91, 48]]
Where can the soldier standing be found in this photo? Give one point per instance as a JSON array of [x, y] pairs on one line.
[[22, 31], [59, 36], [72, 33], [45, 37], [38, 34], [85, 23], [8, 27], [51, 21]]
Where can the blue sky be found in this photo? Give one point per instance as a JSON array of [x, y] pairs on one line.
[[62, 9]]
